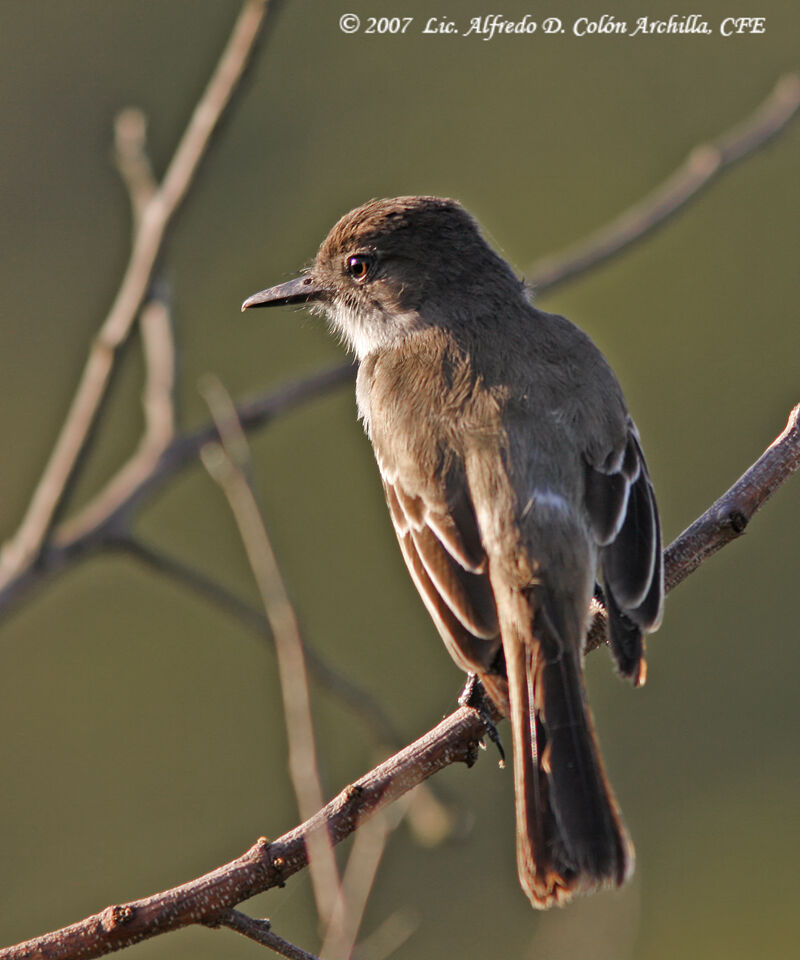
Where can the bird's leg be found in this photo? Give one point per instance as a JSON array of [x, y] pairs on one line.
[[473, 695]]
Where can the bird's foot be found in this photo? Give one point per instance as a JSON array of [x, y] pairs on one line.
[[473, 695]]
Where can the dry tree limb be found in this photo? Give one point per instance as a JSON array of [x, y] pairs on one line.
[[455, 739], [360, 701], [729, 516], [104, 519], [25, 547], [133, 163], [264, 865], [229, 465], [261, 932], [357, 883], [340, 903], [703, 165]]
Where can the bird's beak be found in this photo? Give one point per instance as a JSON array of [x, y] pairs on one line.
[[300, 290]]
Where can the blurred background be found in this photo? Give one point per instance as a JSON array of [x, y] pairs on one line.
[[142, 735]]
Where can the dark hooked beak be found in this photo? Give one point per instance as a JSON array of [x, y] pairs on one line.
[[300, 290]]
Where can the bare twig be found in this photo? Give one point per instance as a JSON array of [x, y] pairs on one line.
[[360, 701], [25, 546], [703, 165], [133, 163], [388, 937], [105, 520], [357, 883], [728, 518], [22, 567], [229, 465], [454, 740], [264, 865], [261, 932], [158, 402]]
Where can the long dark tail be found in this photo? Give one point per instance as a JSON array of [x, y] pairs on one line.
[[570, 836]]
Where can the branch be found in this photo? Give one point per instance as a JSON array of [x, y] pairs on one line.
[[703, 165], [356, 886], [264, 865], [107, 518], [229, 465], [454, 740], [23, 549], [727, 519], [114, 506], [261, 932], [133, 163], [361, 702]]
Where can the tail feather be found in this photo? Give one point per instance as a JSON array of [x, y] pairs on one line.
[[570, 836]]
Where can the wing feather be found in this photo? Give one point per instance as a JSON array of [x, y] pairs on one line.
[[623, 516], [448, 571]]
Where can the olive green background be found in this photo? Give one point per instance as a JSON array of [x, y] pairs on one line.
[[142, 737]]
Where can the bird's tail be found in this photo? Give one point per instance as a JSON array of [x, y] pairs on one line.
[[570, 836]]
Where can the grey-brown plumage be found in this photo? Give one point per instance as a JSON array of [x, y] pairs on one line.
[[514, 478]]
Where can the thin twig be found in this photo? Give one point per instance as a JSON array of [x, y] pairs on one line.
[[728, 517], [108, 516], [357, 883], [229, 465], [25, 546], [133, 163], [158, 402], [703, 165], [454, 740], [331, 681], [261, 932], [264, 865], [113, 506], [388, 937]]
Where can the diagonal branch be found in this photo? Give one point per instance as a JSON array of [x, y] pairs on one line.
[[229, 464], [727, 519], [703, 165], [25, 546], [22, 568], [264, 865], [261, 932], [333, 682], [454, 740], [103, 521]]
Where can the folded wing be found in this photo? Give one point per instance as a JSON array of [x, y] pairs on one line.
[[624, 518]]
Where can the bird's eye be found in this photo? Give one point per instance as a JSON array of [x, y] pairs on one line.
[[359, 266]]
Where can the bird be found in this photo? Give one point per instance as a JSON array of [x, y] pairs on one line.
[[517, 487]]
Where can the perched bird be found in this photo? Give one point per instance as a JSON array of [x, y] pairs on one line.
[[515, 480]]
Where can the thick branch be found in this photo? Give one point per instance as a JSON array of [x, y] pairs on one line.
[[265, 864], [703, 165], [455, 739]]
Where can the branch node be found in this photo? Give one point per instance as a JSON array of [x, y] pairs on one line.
[[116, 916], [738, 521]]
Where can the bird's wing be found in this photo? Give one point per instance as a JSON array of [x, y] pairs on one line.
[[624, 520], [438, 534]]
